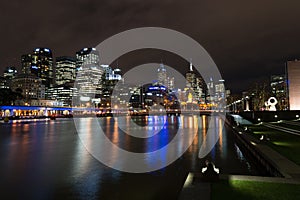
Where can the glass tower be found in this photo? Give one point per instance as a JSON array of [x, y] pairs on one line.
[[42, 65], [65, 70]]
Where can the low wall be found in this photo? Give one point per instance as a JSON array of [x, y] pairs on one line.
[[252, 150], [270, 116]]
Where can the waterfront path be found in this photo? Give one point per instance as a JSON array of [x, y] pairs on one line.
[[193, 190]]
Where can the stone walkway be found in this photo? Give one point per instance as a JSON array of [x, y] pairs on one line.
[[195, 191]]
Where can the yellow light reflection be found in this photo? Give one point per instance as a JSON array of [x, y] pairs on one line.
[[220, 134]]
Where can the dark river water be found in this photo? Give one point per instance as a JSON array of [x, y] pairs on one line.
[[48, 159]]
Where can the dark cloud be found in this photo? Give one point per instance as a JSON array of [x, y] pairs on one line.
[[249, 40]]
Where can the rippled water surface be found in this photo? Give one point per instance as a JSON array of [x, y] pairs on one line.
[[47, 160]]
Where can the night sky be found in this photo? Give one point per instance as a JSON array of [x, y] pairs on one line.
[[248, 40]]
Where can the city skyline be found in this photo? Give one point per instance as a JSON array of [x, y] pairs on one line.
[[87, 63], [140, 64], [250, 39], [62, 66]]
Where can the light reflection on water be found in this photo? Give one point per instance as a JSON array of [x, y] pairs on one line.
[[172, 140], [49, 155]]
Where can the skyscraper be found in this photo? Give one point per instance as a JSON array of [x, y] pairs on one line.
[[9, 74], [171, 83], [89, 72], [63, 94], [196, 85], [26, 61], [190, 78], [42, 65], [162, 75], [65, 70], [200, 89], [279, 90], [109, 79], [30, 86], [87, 56]]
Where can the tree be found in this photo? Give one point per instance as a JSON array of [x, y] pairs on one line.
[[8, 97]]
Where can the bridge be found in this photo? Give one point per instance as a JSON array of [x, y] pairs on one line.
[[44, 111], [8, 111]]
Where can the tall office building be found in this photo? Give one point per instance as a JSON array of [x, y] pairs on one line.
[[200, 89], [215, 92], [196, 85], [88, 73], [63, 94], [170, 83], [40, 63], [162, 75], [109, 79], [87, 56], [293, 74], [190, 77], [65, 70], [8, 75], [279, 90], [30, 85], [220, 90], [26, 61], [3, 83]]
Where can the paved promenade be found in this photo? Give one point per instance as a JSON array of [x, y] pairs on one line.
[[195, 190]]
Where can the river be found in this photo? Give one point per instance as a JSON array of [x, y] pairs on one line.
[[47, 159]]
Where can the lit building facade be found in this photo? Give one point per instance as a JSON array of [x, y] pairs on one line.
[[220, 94], [109, 79], [111, 74], [65, 70], [195, 85], [8, 75], [200, 89], [279, 90], [3, 83], [42, 65], [26, 61], [63, 94], [30, 86], [162, 75], [87, 56], [88, 74], [170, 83], [216, 93], [149, 95], [293, 75], [190, 78]]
